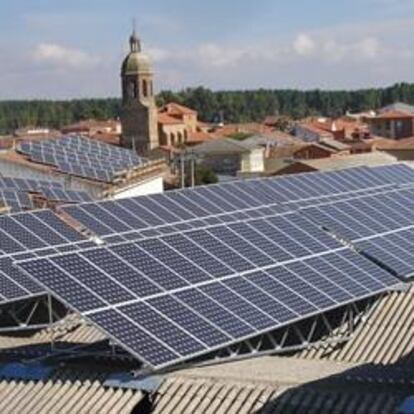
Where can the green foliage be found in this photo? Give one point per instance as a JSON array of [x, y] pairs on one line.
[[230, 106], [205, 175], [54, 114]]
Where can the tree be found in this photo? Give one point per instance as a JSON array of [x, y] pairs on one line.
[[205, 175]]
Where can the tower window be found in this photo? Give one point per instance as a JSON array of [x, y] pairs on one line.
[[145, 88], [132, 89]]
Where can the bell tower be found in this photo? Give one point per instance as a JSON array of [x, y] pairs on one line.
[[139, 111]]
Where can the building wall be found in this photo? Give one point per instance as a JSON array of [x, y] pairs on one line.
[[402, 155], [392, 128], [190, 122], [312, 152], [226, 164], [151, 186], [171, 135], [253, 161]]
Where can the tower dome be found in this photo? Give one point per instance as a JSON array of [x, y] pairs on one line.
[[136, 61]]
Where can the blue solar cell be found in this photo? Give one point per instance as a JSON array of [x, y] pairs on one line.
[[285, 295], [111, 221], [243, 247], [164, 330], [175, 261], [189, 320], [215, 313], [190, 250], [190, 205], [209, 194], [18, 277], [330, 266], [235, 202], [55, 279], [18, 232], [197, 198], [261, 241], [240, 191], [290, 245], [164, 201], [289, 278], [317, 280], [149, 266], [261, 299], [88, 221], [140, 343], [8, 244], [116, 210], [122, 272], [42, 231], [238, 306], [132, 205], [157, 209], [219, 250], [82, 271]]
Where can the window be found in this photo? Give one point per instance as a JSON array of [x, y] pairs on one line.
[[145, 88]]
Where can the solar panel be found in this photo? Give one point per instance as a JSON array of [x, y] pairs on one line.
[[82, 157], [36, 232], [129, 290], [366, 215], [248, 198], [68, 196]]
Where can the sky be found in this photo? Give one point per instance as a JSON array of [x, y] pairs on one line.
[[61, 49]]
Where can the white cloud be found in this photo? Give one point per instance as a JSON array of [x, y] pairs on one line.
[[63, 57], [304, 45]]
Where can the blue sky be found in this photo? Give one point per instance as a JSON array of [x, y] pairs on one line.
[[65, 49]]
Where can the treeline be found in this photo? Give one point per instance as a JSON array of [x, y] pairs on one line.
[[54, 114], [227, 106]]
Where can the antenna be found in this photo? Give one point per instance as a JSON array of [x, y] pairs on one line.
[[134, 26]]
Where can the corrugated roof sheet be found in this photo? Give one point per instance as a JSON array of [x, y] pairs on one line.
[[322, 380]]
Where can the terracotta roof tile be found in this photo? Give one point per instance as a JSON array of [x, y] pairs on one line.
[[165, 119]]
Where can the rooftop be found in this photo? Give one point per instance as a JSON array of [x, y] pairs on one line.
[[372, 159]]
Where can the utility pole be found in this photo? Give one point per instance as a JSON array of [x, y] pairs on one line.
[[192, 161], [182, 169]]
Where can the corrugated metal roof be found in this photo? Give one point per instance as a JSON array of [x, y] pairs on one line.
[[387, 337], [322, 380]]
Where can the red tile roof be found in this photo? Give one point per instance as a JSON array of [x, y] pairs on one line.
[[395, 115], [165, 119], [173, 108]]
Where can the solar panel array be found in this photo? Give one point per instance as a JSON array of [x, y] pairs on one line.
[[29, 235], [14, 193], [27, 184], [68, 196], [176, 297], [187, 272], [380, 225], [15, 200], [82, 157], [202, 206]]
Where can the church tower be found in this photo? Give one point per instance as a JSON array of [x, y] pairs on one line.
[[139, 111]]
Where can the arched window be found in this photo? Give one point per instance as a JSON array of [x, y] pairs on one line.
[[164, 139], [180, 138], [172, 139], [145, 88], [185, 135]]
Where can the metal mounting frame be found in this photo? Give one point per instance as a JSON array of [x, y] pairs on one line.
[[328, 329], [30, 314]]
